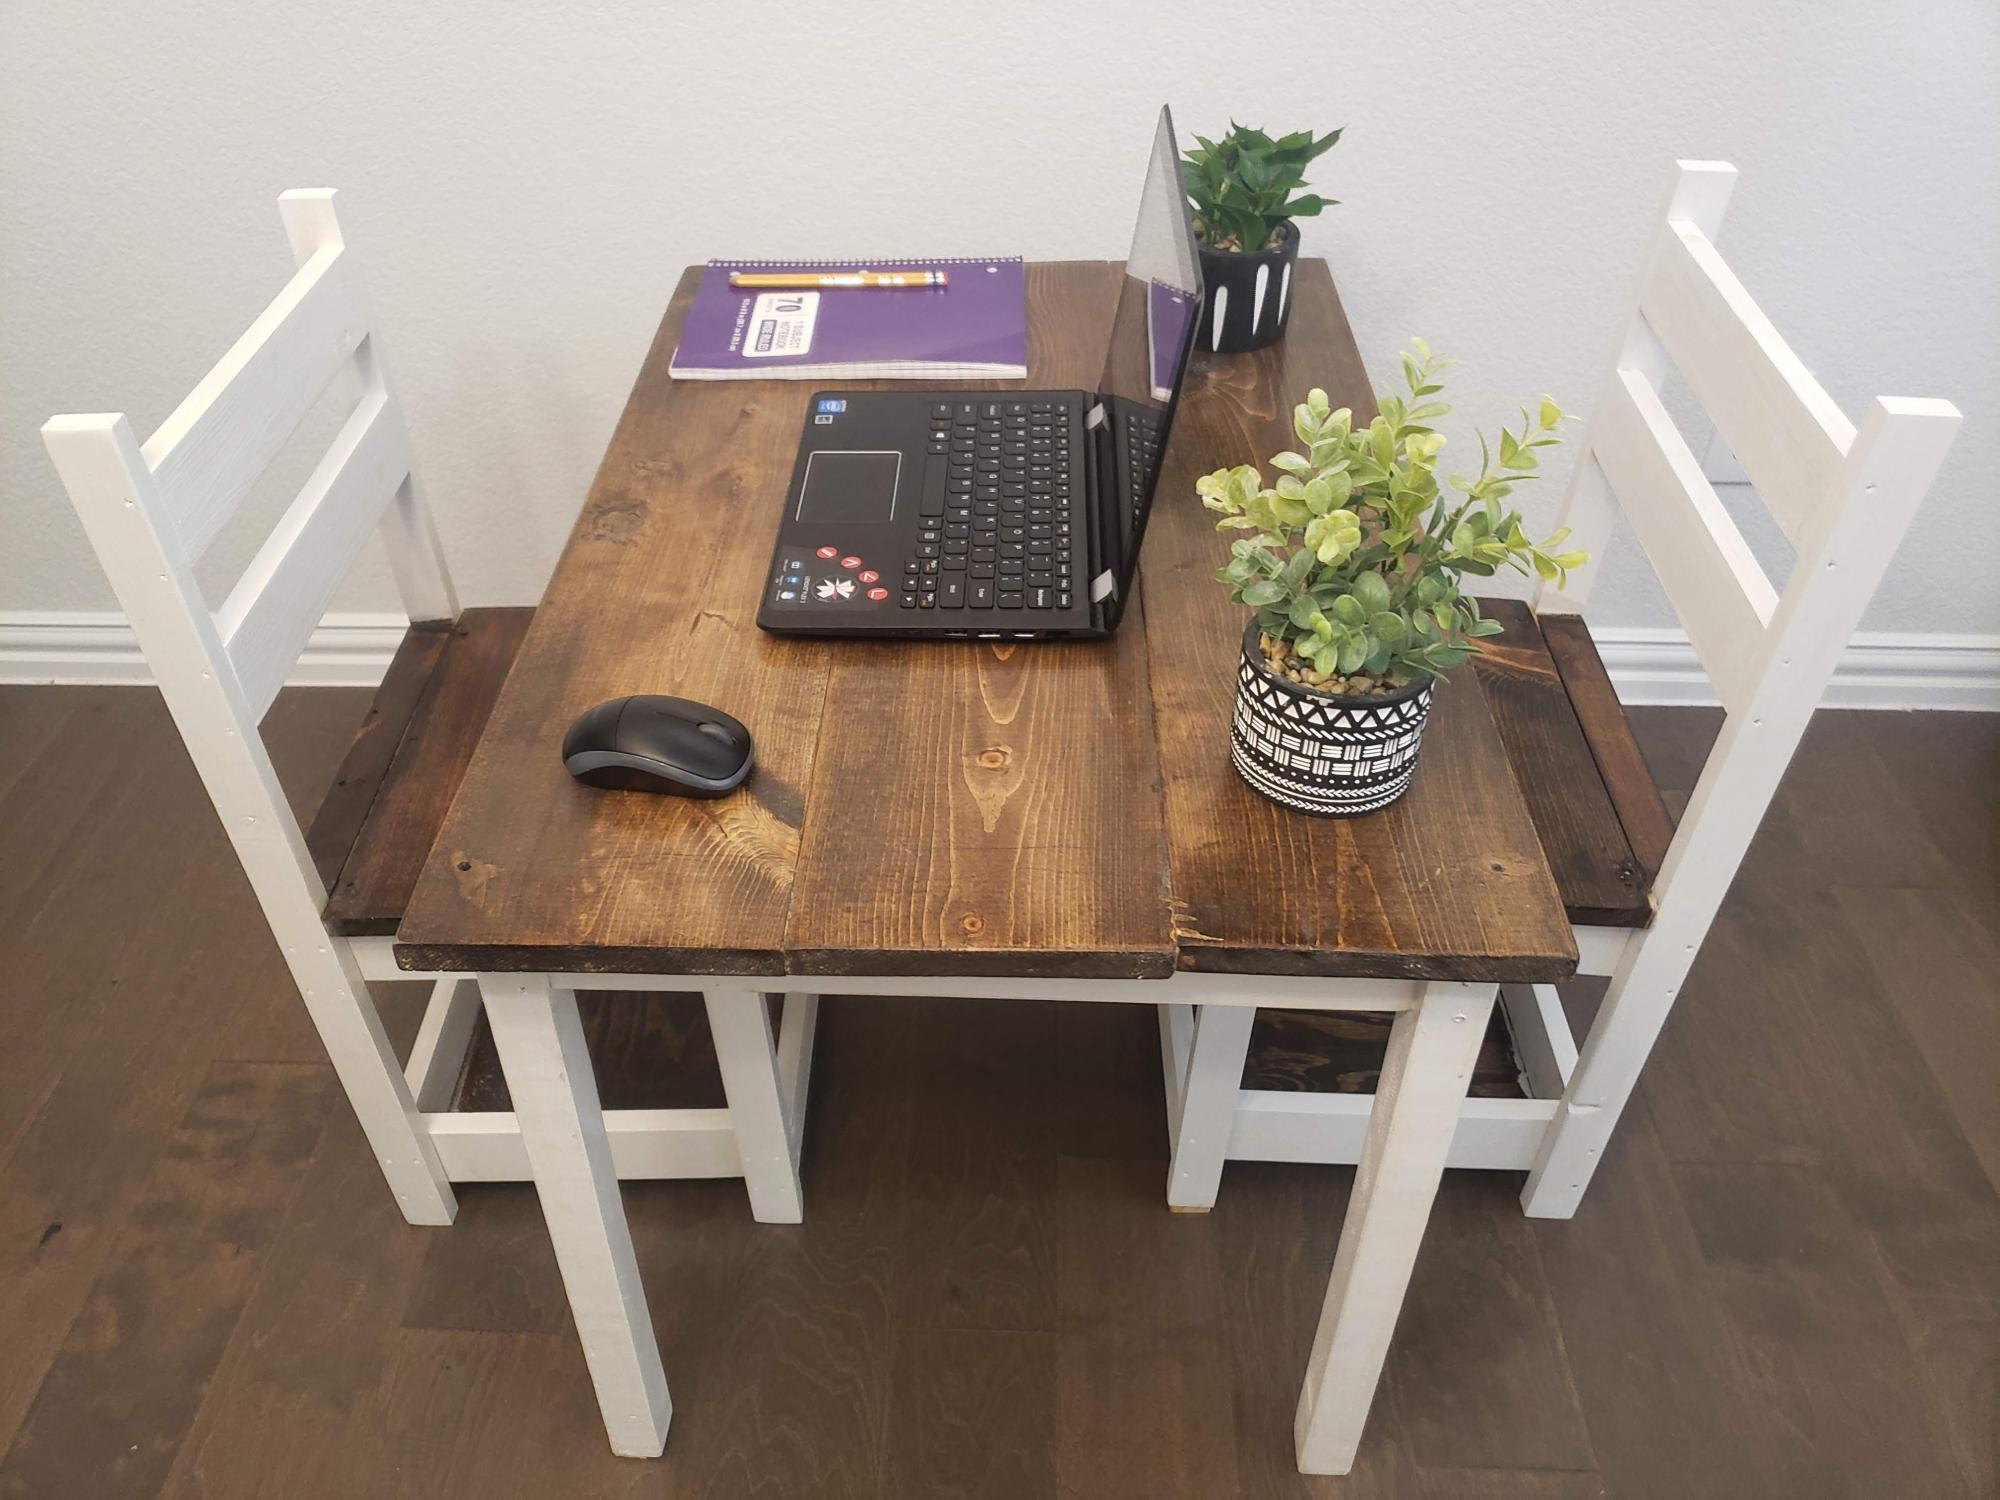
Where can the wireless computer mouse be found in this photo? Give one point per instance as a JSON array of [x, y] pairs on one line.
[[654, 744]]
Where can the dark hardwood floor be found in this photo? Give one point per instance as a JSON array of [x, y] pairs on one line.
[[1786, 1280]]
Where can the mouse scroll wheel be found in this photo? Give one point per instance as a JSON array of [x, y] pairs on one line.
[[714, 731]]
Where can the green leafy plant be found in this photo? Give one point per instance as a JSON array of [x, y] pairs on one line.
[[1241, 186], [1356, 563]]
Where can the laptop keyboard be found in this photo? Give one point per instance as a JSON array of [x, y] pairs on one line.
[[996, 533], [1141, 437]]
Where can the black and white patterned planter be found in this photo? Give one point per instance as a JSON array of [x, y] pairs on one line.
[[1329, 756], [1248, 295]]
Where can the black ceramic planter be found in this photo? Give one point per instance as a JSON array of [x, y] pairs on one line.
[[1329, 756], [1249, 295]]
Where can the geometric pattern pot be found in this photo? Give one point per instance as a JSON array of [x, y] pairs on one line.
[[1331, 757]]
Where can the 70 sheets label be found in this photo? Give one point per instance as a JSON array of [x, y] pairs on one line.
[[780, 323]]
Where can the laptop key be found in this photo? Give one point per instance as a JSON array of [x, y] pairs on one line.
[[979, 595], [1062, 599], [1040, 598], [1010, 601], [952, 595]]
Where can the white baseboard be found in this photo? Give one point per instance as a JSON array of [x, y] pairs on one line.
[[1878, 670], [97, 646]]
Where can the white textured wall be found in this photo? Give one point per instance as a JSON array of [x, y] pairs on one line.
[[525, 180]]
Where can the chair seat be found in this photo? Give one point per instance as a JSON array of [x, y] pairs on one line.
[[381, 815], [1601, 820]]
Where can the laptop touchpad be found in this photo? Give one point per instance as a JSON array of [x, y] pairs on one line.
[[850, 485]]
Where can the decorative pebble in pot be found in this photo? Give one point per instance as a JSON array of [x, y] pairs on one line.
[[1355, 570]]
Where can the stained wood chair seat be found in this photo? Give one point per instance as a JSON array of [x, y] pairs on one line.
[[384, 809], [1595, 806]]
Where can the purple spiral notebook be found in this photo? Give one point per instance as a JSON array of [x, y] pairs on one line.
[[974, 328]]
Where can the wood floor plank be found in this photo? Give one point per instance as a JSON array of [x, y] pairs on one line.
[[121, 1394], [1943, 761], [336, 1282], [1801, 1302], [1781, 1283], [1279, 1226], [1936, 955], [1851, 814], [1490, 1388], [1645, 1382], [978, 1247], [972, 1414], [1142, 1382]]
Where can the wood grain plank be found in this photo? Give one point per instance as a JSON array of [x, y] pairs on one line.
[[1341, 1052], [1491, 1390], [1142, 1385], [1800, 1293], [937, 807], [1646, 1380], [1279, 1226], [978, 1247], [1641, 813], [121, 1394], [656, 592], [337, 823], [990, 807], [972, 1414], [1602, 881], [416, 787], [1936, 955], [1448, 883]]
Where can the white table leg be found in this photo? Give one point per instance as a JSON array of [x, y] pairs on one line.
[[748, 1054], [1432, 1049], [548, 1073], [1208, 1105]]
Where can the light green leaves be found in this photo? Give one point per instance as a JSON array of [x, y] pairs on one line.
[[1354, 554]]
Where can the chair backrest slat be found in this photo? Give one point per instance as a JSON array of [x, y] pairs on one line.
[[151, 509], [209, 452], [277, 603], [1844, 497], [1720, 593], [1777, 419]]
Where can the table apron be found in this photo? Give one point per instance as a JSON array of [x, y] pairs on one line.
[[1183, 987]]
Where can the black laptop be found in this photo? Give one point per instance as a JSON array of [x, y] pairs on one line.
[[991, 513]]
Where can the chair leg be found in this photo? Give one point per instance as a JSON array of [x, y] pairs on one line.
[[741, 1023], [1432, 1050], [343, 1013], [1607, 1069], [548, 1073], [1208, 1105]]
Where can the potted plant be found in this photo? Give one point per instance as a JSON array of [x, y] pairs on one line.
[[1241, 189], [1354, 572]]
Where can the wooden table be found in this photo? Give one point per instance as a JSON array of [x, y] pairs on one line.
[[946, 818]]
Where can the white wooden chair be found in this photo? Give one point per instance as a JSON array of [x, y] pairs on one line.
[[1641, 892], [151, 510]]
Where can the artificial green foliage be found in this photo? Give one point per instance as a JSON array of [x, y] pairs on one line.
[[1358, 554], [1241, 186]]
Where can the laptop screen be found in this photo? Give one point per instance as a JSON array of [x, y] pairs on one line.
[[1152, 331]]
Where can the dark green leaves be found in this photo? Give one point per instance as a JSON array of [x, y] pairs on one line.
[[1242, 186]]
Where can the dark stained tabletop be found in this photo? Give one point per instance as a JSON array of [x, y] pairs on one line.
[[949, 807]]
